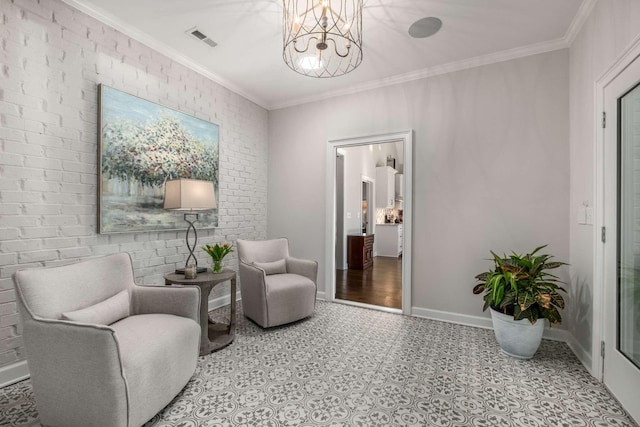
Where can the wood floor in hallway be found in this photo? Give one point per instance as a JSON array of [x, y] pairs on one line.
[[379, 285]]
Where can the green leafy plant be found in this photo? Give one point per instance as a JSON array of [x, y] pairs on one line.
[[521, 286], [217, 251]]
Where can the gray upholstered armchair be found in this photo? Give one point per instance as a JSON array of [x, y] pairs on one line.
[[276, 289], [101, 350]]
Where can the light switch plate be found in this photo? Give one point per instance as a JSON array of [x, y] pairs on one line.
[[589, 216], [582, 216]]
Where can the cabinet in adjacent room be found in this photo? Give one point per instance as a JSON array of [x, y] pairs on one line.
[[360, 252], [389, 241], [385, 186]]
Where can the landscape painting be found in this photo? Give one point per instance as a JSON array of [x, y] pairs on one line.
[[142, 145]]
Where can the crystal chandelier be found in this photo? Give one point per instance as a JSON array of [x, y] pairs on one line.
[[322, 38]]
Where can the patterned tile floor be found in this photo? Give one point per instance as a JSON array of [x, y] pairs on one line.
[[349, 366]]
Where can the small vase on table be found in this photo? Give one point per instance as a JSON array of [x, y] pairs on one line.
[[217, 266]]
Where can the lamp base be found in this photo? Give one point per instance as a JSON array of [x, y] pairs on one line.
[[199, 270], [190, 246]]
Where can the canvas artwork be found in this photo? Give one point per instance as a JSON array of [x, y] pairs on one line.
[[142, 145]]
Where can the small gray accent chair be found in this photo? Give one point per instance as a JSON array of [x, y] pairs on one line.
[[276, 289], [129, 350]]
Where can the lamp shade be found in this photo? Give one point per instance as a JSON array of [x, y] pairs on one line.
[[189, 195]]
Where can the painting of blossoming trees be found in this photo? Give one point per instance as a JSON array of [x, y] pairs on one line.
[[142, 145]]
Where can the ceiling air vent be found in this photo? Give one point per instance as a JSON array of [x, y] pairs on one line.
[[201, 36]]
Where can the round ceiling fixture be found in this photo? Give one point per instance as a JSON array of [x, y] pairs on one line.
[[425, 27]]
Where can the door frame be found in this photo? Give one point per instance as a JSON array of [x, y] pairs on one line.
[[598, 330], [330, 224], [341, 240]]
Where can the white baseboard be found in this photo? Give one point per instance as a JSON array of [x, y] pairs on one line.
[[557, 334], [222, 301], [583, 355], [13, 373], [445, 316], [369, 306], [321, 295], [554, 333]]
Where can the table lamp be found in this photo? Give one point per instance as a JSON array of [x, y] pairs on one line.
[[190, 195]]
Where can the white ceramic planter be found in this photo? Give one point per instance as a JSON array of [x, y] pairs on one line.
[[517, 338]]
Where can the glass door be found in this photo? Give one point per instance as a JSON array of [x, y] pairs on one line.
[[622, 247], [628, 280]]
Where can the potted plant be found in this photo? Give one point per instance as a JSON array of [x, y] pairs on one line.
[[217, 253], [520, 291]]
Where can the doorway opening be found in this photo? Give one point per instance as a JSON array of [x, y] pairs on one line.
[[369, 260]]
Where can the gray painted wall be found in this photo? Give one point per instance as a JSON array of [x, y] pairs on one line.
[[491, 169], [609, 30]]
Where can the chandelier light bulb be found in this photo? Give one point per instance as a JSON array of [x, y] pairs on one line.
[[310, 63]]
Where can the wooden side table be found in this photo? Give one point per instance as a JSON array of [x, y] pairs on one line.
[[214, 335]]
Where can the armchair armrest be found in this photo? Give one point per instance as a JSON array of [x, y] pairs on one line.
[[303, 267], [253, 291], [252, 275], [68, 358], [178, 300]]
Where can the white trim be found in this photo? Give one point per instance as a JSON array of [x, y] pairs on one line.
[[581, 353], [465, 64], [221, 301], [579, 20], [321, 296], [407, 224], [457, 318], [14, 373], [330, 224], [631, 52], [555, 334], [144, 38], [625, 58], [368, 306], [598, 248]]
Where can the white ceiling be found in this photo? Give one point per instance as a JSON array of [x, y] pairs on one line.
[[248, 58]]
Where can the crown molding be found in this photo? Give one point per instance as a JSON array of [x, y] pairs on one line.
[[144, 38], [492, 58], [579, 20]]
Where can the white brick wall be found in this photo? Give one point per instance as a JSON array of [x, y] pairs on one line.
[[52, 57]]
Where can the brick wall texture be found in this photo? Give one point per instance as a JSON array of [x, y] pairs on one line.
[[52, 58]]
